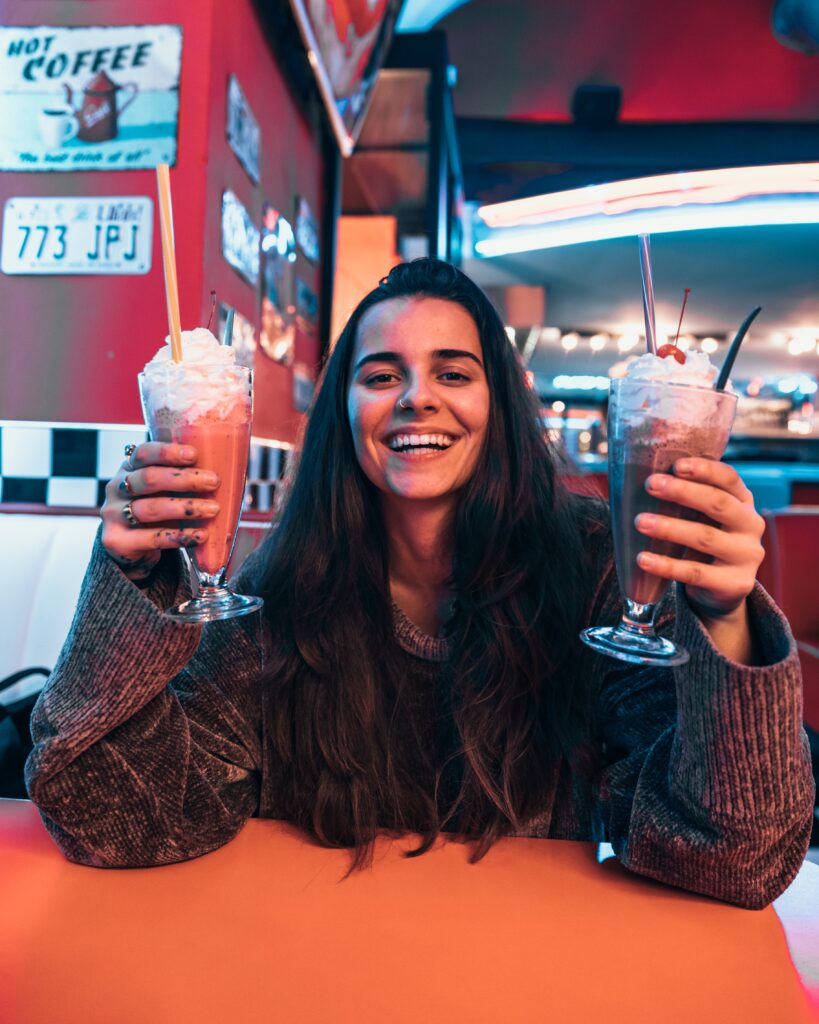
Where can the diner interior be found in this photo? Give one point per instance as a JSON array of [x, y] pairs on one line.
[[530, 142]]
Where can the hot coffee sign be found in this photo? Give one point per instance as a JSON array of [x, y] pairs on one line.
[[79, 99]]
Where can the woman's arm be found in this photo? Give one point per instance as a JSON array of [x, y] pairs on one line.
[[708, 780], [146, 736]]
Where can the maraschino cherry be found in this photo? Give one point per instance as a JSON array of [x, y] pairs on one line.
[[670, 348]]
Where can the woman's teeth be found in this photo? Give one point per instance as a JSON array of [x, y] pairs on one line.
[[418, 442]]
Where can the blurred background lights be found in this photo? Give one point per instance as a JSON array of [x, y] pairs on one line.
[[628, 341], [597, 342], [709, 345], [569, 341], [558, 406]]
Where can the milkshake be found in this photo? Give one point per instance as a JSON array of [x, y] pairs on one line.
[[663, 410], [205, 401]]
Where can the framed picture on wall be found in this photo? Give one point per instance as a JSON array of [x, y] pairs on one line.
[[277, 273], [242, 129]]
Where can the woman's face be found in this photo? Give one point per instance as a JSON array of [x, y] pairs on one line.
[[418, 402]]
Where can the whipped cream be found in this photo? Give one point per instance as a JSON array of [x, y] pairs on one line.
[[206, 381], [681, 395], [697, 370]]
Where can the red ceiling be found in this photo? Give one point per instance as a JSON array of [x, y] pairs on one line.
[[699, 60]]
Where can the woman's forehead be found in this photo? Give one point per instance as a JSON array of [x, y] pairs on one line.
[[417, 323]]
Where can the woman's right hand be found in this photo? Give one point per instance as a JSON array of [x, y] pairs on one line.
[[145, 486]]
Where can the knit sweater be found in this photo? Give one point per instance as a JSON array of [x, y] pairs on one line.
[[151, 743]]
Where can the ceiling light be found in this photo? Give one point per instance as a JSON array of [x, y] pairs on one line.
[[717, 186], [748, 213], [597, 342], [558, 406], [779, 339], [569, 341], [709, 345]]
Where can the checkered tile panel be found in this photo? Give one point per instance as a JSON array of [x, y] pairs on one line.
[[68, 465]]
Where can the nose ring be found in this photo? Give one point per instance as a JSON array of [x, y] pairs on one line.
[[403, 404]]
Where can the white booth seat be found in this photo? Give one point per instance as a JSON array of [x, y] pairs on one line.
[[44, 561]]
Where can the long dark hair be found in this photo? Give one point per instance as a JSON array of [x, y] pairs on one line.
[[518, 703]]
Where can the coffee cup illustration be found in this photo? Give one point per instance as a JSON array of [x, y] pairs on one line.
[[98, 112], [57, 125]]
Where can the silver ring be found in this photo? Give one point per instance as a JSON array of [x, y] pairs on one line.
[[129, 451], [126, 483], [402, 405], [129, 516]]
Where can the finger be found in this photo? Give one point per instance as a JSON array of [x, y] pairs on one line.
[[155, 479], [718, 474], [696, 574], [167, 453], [714, 502], [708, 540], [160, 510], [130, 545]]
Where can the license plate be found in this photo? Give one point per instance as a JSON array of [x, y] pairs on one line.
[[89, 235]]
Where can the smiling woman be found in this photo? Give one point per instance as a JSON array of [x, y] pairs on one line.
[[418, 667]]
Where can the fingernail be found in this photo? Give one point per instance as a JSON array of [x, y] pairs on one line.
[[656, 483], [684, 466], [210, 478], [210, 507], [199, 536], [645, 519], [645, 558], [187, 453]]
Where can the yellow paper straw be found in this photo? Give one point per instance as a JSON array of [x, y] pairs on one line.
[[169, 259]]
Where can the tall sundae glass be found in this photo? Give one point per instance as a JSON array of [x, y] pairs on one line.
[[205, 400], [660, 412]]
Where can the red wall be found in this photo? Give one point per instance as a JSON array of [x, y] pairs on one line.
[[70, 347]]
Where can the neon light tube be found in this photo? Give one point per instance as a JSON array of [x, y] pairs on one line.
[[749, 213]]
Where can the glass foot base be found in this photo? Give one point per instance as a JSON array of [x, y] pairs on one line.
[[626, 645], [214, 603]]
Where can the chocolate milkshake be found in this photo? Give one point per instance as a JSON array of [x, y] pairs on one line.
[[662, 411]]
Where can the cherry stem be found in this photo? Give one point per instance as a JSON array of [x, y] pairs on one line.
[[682, 314], [212, 307]]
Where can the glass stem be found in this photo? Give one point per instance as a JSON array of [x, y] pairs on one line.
[[211, 579], [638, 619]]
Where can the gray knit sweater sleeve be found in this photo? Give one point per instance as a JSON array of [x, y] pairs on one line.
[[157, 718], [708, 781]]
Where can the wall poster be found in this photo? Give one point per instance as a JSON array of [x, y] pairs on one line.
[[307, 230], [242, 129], [278, 257], [79, 99], [240, 238]]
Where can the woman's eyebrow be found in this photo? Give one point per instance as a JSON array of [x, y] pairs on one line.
[[394, 357]]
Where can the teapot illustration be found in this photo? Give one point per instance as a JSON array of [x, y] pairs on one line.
[[97, 116]]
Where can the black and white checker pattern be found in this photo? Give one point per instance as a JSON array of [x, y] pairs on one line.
[[68, 465]]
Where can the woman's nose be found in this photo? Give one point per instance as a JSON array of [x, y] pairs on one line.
[[417, 395]]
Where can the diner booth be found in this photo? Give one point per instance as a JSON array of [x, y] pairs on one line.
[[288, 204]]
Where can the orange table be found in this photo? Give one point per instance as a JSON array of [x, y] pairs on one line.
[[263, 930]]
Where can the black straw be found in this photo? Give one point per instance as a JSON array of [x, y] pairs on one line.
[[733, 351]]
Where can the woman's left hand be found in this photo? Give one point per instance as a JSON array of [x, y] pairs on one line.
[[734, 546]]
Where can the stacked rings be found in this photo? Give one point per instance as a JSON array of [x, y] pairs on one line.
[[129, 516], [129, 451]]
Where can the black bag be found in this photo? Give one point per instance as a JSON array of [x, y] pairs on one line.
[[17, 698]]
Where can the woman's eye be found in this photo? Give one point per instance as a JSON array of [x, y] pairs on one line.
[[454, 375], [381, 378]]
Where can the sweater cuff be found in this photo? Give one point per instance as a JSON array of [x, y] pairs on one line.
[[739, 737]]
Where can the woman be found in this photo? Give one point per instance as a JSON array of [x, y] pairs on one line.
[[418, 665]]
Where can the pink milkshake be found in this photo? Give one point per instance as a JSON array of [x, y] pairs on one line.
[[205, 401]]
